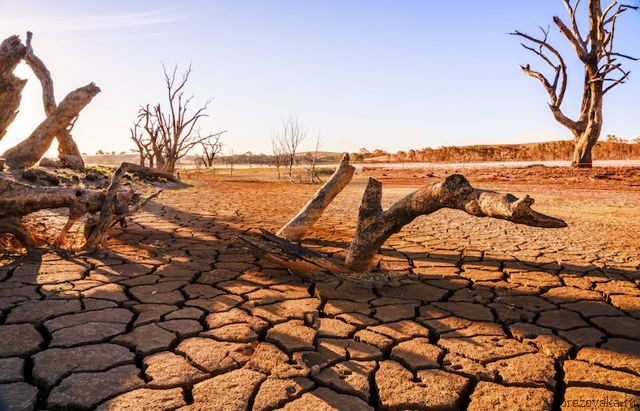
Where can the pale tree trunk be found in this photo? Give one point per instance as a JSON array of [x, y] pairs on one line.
[[588, 131], [31, 150]]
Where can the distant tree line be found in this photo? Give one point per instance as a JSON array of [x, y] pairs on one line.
[[613, 148]]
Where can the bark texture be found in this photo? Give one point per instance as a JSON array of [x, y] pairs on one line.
[[311, 212], [31, 150], [11, 53]]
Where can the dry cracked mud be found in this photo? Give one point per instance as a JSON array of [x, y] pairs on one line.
[[179, 316]]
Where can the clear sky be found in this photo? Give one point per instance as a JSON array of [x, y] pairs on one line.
[[378, 74]]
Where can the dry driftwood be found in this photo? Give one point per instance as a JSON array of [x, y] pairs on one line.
[[68, 151], [311, 212], [150, 172], [375, 226], [11, 53], [18, 200], [29, 152]]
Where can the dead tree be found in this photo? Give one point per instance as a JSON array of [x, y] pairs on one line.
[[211, 147], [375, 225], [143, 144], [602, 68], [293, 134], [68, 151], [171, 128], [61, 119]]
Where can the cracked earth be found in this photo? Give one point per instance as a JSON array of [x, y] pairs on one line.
[[179, 316]]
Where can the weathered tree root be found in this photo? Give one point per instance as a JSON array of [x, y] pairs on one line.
[[18, 200], [375, 226]]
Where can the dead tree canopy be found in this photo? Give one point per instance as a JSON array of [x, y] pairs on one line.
[[211, 147], [602, 67], [375, 225], [170, 129]]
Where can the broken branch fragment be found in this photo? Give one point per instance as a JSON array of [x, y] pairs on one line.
[[18, 200], [311, 212]]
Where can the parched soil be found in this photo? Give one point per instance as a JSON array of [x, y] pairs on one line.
[[179, 315]]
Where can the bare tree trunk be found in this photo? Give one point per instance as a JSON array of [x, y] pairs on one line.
[[588, 131], [36, 145], [311, 212], [11, 52]]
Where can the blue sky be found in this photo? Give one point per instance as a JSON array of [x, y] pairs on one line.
[[378, 74]]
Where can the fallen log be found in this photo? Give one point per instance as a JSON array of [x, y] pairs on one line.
[[28, 152], [18, 200], [310, 265], [311, 212], [375, 226], [150, 172]]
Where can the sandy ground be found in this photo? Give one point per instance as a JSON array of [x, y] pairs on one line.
[[180, 315]]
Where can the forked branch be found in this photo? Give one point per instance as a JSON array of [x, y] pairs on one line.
[[375, 226]]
